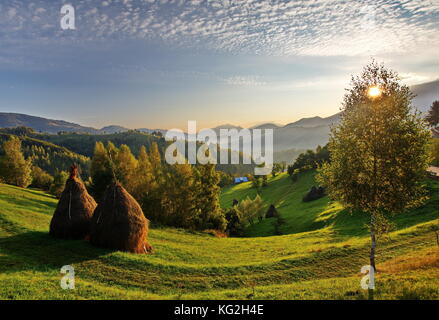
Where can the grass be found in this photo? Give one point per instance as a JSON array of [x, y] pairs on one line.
[[319, 255]]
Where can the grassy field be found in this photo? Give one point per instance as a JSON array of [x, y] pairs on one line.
[[318, 255]]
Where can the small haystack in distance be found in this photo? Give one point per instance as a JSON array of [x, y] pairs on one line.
[[119, 223], [272, 212], [75, 208]]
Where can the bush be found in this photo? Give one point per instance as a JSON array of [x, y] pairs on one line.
[[41, 179], [314, 194], [58, 184], [234, 223], [249, 210]]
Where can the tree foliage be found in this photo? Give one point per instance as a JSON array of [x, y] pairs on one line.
[[179, 195], [380, 151], [14, 168], [250, 210], [59, 182], [41, 179], [433, 117]]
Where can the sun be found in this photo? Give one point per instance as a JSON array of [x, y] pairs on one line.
[[374, 92]]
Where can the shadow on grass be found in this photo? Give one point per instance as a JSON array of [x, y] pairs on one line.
[[355, 224], [40, 252]]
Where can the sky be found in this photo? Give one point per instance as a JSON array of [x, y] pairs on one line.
[[160, 63]]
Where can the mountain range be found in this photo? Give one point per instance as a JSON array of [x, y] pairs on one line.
[[305, 133]]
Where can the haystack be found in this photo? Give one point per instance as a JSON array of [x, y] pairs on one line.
[[75, 208], [314, 194], [272, 212], [119, 223]]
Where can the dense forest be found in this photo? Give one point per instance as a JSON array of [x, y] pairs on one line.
[[48, 156]]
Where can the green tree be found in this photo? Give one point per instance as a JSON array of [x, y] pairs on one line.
[[41, 179], [155, 159], [235, 226], [178, 197], [435, 152], [379, 152], [14, 168], [101, 171], [143, 179], [210, 214], [125, 165], [59, 182], [433, 117], [152, 199], [250, 209]]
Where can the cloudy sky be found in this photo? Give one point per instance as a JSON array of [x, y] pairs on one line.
[[160, 63]]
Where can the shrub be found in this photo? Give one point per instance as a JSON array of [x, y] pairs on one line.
[[58, 184], [41, 179]]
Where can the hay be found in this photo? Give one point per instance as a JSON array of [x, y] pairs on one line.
[[119, 223], [73, 213], [272, 212]]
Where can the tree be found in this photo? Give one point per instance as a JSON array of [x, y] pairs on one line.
[[125, 165], [379, 152], [14, 168], [59, 182], [41, 179], [234, 223], [178, 197], [249, 210], [152, 199], [155, 159], [143, 179], [433, 117], [210, 215], [101, 170], [435, 152]]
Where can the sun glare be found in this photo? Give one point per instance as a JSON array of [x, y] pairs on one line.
[[374, 92]]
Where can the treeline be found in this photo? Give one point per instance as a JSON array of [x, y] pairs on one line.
[[184, 195], [84, 144], [47, 156], [19, 170], [309, 160]]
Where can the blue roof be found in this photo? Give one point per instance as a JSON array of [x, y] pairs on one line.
[[241, 179]]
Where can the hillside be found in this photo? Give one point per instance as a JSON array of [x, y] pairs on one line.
[[85, 143], [316, 261], [298, 216], [39, 124], [49, 156]]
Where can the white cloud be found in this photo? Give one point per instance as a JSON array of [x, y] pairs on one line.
[[270, 27], [244, 81]]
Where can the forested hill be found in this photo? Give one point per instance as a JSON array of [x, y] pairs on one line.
[[48, 156], [84, 143], [64, 149]]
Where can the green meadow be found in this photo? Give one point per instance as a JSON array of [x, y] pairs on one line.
[[314, 250]]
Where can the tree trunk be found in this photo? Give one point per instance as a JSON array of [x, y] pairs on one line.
[[372, 254]]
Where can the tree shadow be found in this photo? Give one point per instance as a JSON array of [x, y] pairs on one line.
[[38, 251]]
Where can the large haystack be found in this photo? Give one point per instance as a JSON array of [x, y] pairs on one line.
[[119, 223], [75, 208]]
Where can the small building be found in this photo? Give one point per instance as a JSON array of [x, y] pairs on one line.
[[241, 180]]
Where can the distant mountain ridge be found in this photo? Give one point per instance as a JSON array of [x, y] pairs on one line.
[[425, 93], [12, 120], [305, 133]]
